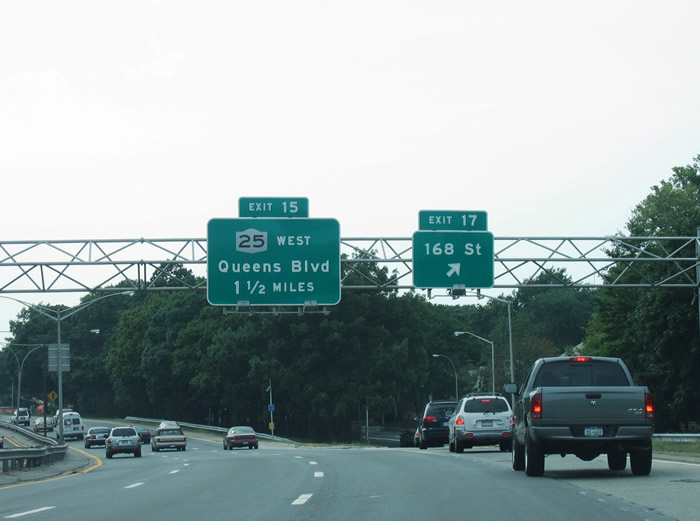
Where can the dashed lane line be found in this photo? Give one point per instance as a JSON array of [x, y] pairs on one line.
[[29, 512], [302, 499]]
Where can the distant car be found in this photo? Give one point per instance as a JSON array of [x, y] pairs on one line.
[[481, 419], [433, 424], [241, 436], [144, 434], [168, 437], [123, 440], [42, 424], [406, 438], [20, 417], [97, 436]]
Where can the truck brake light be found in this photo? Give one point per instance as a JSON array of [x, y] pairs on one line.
[[459, 420], [649, 406], [580, 359], [536, 406]]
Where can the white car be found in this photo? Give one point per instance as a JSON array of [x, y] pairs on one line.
[[481, 419], [20, 417], [42, 424]]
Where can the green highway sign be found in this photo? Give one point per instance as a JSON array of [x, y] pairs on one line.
[[273, 207], [452, 220], [273, 262], [445, 259]]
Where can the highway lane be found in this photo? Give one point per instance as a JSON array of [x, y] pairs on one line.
[[291, 483]]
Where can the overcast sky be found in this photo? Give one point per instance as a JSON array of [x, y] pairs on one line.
[[146, 119]]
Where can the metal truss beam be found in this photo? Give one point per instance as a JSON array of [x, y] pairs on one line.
[[142, 264]]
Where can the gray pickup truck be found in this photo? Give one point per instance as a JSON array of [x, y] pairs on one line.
[[581, 405]]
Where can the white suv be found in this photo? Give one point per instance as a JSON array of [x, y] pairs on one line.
[[481, 419]]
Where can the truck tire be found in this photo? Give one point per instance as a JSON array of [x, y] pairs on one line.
[[640, 461], [459, 446], [534, 458], [617, 460], [518, 455]]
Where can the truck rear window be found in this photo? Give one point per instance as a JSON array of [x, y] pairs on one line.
[[596, 373]]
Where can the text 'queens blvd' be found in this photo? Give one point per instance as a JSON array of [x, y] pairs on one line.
[[270, 261]]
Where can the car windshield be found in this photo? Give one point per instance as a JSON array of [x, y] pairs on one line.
[[598, 373], [170, 432], [242, 430], [486, 405], [123, 432], [441, 409]]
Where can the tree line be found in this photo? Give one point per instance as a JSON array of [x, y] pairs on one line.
[[171, 355]]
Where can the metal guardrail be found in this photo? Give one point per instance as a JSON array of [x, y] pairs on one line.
[[24, 458], [680, 437], [206, 428]]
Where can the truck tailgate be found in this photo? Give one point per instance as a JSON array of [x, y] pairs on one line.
[[593, 406]]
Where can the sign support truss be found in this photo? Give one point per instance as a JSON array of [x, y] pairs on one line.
[[65, 266]]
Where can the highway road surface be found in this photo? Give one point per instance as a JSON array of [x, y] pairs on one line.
[[286, 482]]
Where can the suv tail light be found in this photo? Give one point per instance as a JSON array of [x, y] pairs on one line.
[[649, 406], [429, 419], [459, 421], [536, 406]]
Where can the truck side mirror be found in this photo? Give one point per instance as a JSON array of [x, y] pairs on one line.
[[511, 388]]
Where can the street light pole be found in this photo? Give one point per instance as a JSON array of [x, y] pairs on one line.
[[510, 331], [58, 317], [493, 358], [20, 366], [455, 371]]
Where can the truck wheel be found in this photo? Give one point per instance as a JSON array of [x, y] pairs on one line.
[[423, 445], [451, 445], [518, 455], [459, 447], [534, 459], [640, 461], [617, 460]]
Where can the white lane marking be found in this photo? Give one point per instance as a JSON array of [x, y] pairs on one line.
[[134, 485], [174, 471], [318, 474], [302, 499], [312, 463], [297, 457], [186, 465], [29, 512]]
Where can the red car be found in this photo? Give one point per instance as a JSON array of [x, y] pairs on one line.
[[241, 437]]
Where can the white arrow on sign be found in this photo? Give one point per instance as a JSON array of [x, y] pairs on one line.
[[454, 269]]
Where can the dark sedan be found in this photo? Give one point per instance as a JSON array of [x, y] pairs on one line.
[[96, 436], [144, 435], [241, 437]]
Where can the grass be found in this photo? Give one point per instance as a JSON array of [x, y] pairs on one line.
[[677, 446]]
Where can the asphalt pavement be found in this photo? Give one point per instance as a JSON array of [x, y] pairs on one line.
[[75, 461]]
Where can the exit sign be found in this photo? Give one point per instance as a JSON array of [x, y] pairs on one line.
[[445, 259], [452, 220], [273, 207]]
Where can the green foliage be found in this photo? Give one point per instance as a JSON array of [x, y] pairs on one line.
[[656, 330]]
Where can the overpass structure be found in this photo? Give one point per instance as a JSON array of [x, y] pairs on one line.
[[61, 266]]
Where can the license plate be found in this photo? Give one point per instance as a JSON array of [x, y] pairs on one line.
[[245, 443], [593, 432], [487, 423]]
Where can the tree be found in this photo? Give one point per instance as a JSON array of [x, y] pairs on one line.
[[656, 330]]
